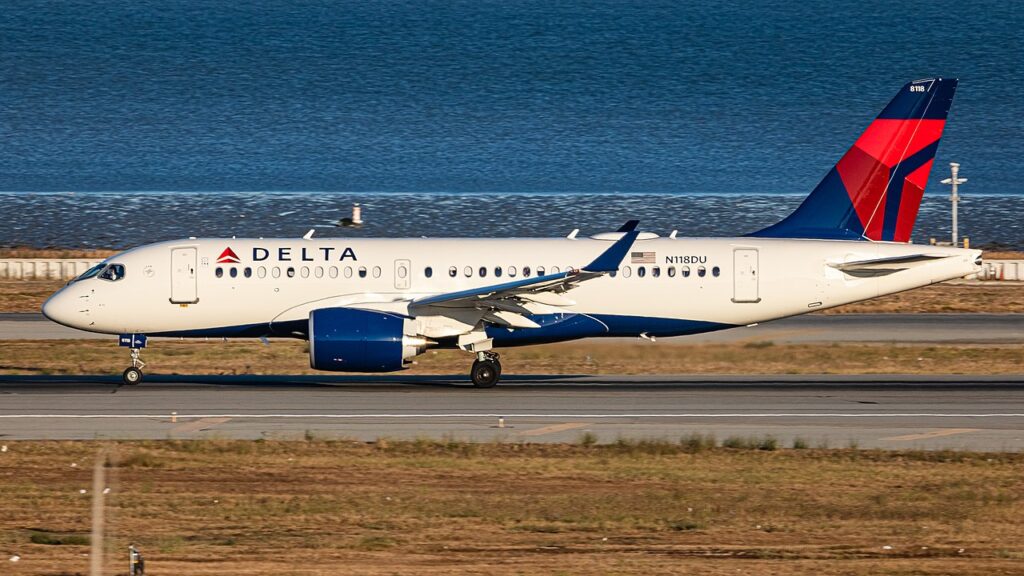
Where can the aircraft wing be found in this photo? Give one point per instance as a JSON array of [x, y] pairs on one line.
[[509, 303]]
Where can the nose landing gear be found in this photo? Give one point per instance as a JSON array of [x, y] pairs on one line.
[[133, 375], [135, 343], [486, 370]]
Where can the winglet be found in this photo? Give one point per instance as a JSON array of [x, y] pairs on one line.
[[610, 259], [629, 226]]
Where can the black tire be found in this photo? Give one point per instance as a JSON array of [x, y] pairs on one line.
[[132, 376], [485, 373]]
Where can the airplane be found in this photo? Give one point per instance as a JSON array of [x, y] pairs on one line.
[[373, 305]]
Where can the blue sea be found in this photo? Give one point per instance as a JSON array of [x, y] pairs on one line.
[[163, 119]]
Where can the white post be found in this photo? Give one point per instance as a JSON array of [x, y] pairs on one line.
[[954, 169], [96, 544], [357, 214]]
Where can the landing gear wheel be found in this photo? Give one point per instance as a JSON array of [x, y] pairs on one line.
[[485, 373], [132, 376]]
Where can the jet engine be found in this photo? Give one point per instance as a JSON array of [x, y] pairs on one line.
[[351, 340]]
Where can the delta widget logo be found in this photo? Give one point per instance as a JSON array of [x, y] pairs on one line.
[[228, 256]]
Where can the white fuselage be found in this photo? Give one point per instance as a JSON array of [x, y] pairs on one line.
[[664, 286]]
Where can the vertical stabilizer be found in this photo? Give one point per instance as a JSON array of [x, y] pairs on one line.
[[875, 189]]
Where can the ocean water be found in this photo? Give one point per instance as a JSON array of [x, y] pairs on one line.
[[587, 96], [508, 116], [121, 220]]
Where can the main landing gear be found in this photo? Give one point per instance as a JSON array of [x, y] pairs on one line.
[[486, 370], [133, 374]]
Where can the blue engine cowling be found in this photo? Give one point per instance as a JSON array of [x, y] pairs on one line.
[[350, 340]]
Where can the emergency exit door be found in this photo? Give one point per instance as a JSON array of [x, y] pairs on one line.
[[744, 277], [183, 276], [403, 272]]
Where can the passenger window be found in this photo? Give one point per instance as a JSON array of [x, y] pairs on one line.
[[671, 271], [555, 270], [512, 271], [233, 272], [428, 271], [275, 272], [656, 272], [401, 272], [218, 272], [376, 271], [716, 271], [483, 272], [526, 271], [113, 272], [362, 271], [540, 270], [701, 271], [641, 271], [453, 271], [684, 271], [247, 272], [290, 272], [614, 273], [318, 271], [304, 271], [627, 272], [348, 271], [332, 272], [497, 271], [468, 271], [261, 272]]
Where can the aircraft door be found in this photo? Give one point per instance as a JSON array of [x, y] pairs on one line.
[[744, 277], [183, 276], [403, 274]]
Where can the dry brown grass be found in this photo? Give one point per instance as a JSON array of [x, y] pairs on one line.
[[973, 297], [248, 508], [26, 295], [586, 357], [59, 253]]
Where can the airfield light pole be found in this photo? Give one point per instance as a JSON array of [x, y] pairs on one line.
[[954, 169]]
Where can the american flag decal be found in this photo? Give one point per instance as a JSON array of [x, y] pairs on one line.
[[642, 257]]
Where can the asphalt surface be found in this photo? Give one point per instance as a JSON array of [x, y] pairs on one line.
[[907, 328], [893, 412]]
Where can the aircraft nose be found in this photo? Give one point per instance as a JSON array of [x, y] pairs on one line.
[[60, 308]]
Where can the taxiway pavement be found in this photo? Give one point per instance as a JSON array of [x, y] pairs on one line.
[[895, 412]]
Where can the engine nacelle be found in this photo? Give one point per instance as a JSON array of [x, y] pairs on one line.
[[350, 340]]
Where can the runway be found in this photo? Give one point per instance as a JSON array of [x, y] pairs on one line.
[[814, 328], [893, 412]]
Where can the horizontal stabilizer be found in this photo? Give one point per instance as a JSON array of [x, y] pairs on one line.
[[884, 266]]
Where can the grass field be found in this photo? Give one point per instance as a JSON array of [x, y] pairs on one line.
[[647, 507], [586, 357]]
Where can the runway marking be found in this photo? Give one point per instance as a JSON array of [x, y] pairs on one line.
[[932, 434], [198, 425], [560, 416], [554, 428]]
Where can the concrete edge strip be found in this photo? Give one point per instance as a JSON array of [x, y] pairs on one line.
[[528, 415]]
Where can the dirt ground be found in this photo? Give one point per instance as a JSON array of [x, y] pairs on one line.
[[586, 357], [396, 508]]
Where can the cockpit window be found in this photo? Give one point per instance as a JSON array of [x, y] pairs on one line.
[[91, 272], [113, 272]]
